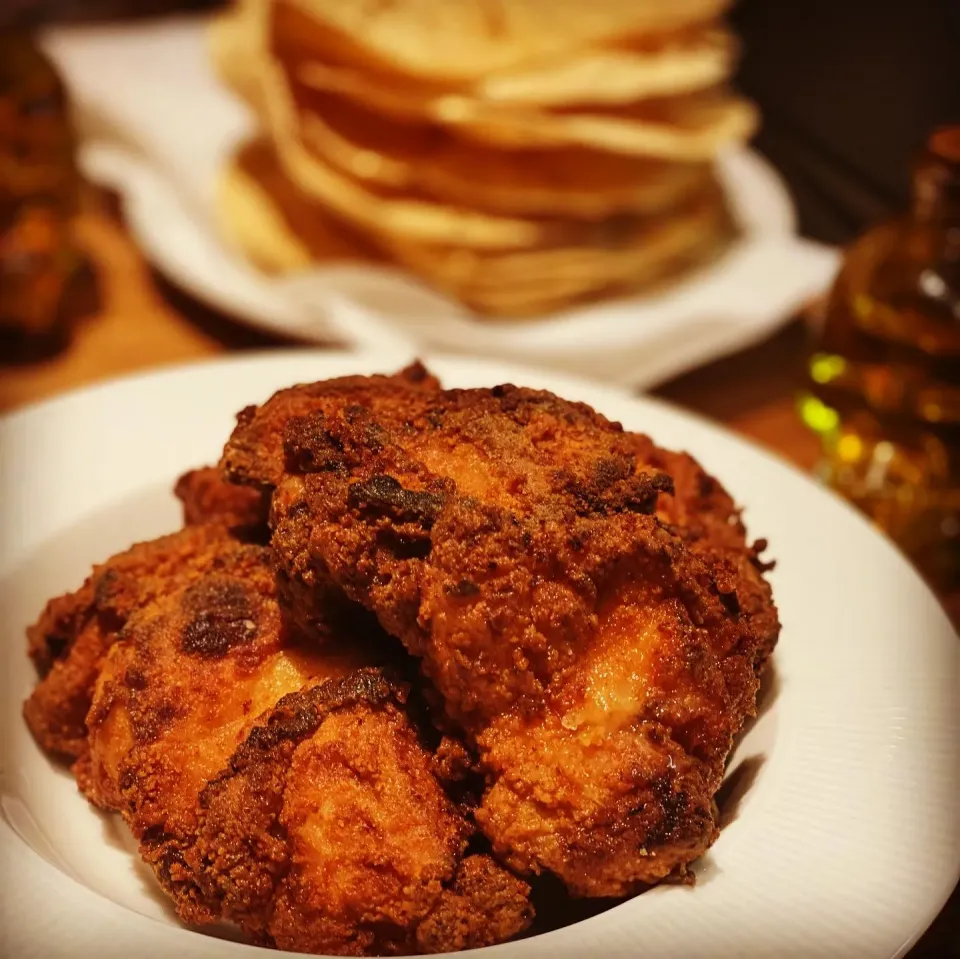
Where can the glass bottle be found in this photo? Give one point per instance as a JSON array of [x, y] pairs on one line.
[[883, 386], [39, 196]]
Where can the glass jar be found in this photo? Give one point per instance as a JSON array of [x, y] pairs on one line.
[[883, 384]]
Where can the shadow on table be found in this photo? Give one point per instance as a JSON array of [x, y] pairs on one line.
[[234, 334], [229, 331]]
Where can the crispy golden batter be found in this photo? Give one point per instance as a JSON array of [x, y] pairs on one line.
[[256, 450], [74, 632], [187, 679], [598, 637], [483, 905], [588, 614], [703, 514], [211, 711], [328, 833], [208, 498]]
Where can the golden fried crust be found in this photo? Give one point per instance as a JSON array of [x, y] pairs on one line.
[[271, 782], [328, 833], [484, 905], [208, 498], [702, 513], [254, 455], [74, 632], [61, 621], [179, 691], [566, 603]]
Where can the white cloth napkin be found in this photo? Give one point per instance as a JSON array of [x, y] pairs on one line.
[[156, 124]]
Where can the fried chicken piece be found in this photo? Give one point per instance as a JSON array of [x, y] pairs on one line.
[[208, 498], [257, 448], [186, 680], [703, 514], [597, 636], [74, 632], [190, 672], [483, 905], [72, 635], [328, 833]]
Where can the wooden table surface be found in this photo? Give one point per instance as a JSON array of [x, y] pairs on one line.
[[137, 321]]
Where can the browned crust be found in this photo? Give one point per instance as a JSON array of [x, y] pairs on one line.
[[74, 632], [207, 497], [245, 851], [496, 532], [484, 904], [255, 454]]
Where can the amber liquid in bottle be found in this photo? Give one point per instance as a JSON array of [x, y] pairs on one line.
[[884, 379]]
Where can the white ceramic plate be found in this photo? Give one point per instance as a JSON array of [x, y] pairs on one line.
[[158, 126], [845, 841]]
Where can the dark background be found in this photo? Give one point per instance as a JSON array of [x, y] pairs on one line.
[[848, 89]]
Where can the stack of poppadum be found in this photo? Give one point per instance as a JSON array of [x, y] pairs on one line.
[[521, 155]]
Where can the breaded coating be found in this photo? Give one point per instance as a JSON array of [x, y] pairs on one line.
[[585, 604], [269, 775], [399, 615], [74, 632], [256, 450], [484, 905], [703, 514], [328, 833], [187, 678], [208, 498]]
